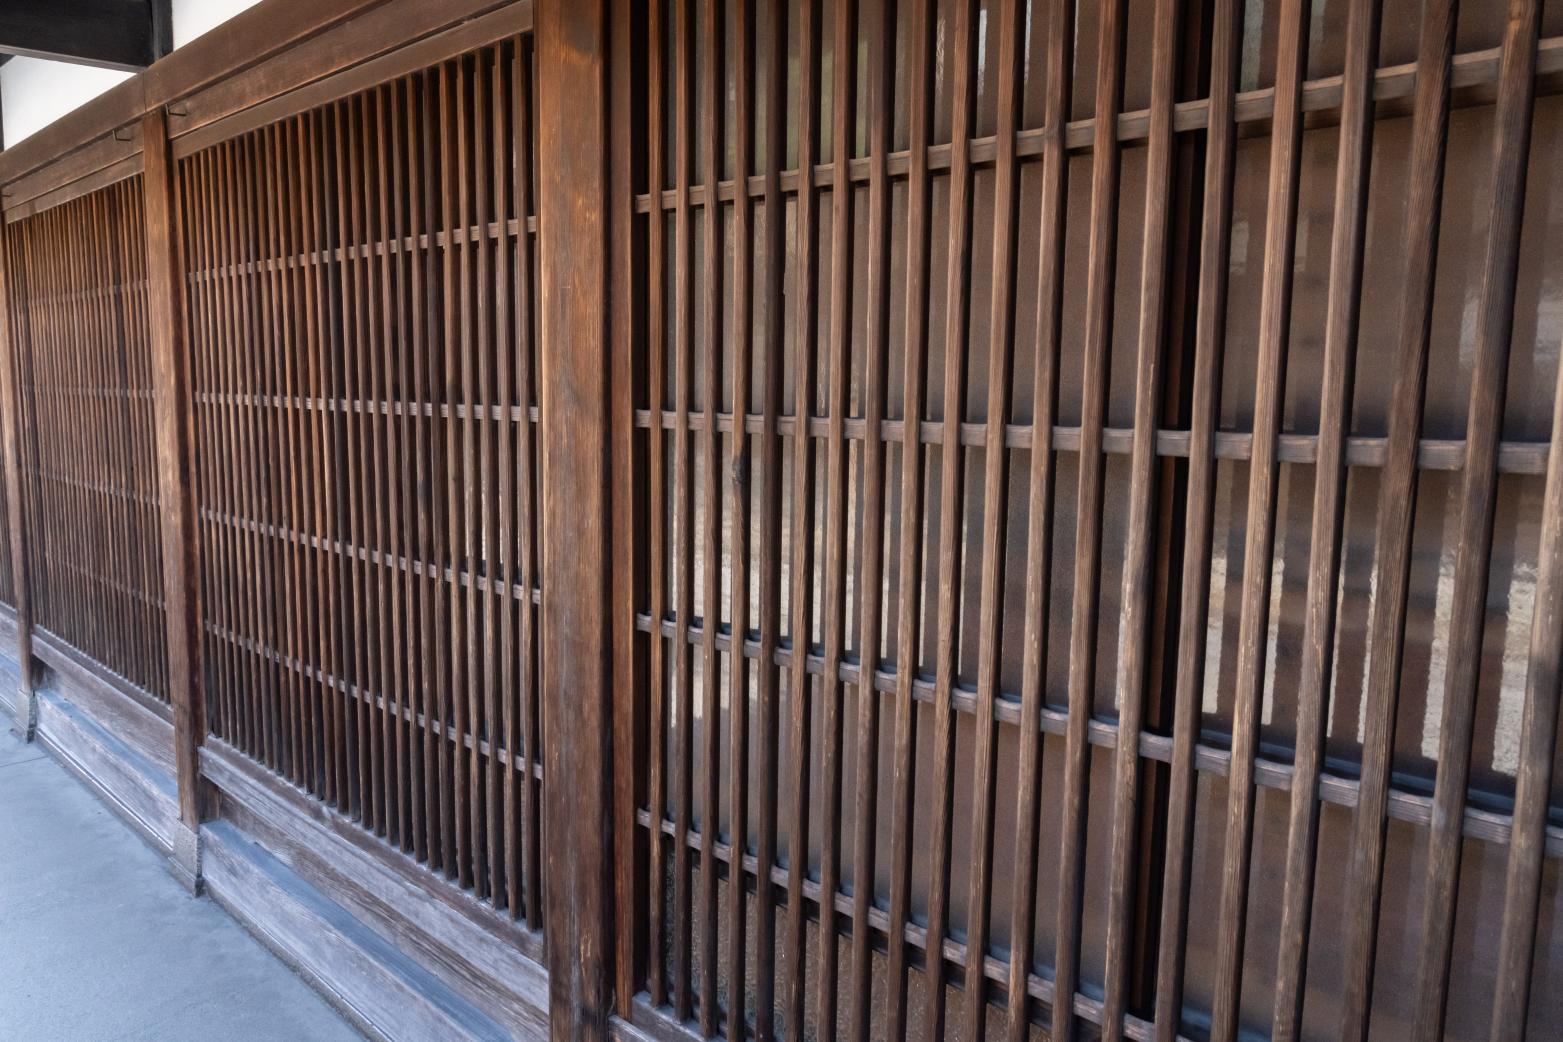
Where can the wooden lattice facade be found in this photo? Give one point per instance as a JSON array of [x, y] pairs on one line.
[[843, 519]]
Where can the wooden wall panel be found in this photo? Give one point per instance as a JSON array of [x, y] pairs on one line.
[[7, 568], [364, 371], [1079, 482], [88, 457], [1049, 533]]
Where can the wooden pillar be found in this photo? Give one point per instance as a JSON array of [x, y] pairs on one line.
[[574, 214], [630, 649], [173, 406], [26, 719]]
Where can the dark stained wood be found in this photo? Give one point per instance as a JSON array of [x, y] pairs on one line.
[[79, 334], [1538, 731], [710, 144], [1101, 264], [682, 711], [577, 633], [1477, 503], [913, 493], [995, 483], [173, 405], [657, 540], [15, 505], [1150, 363], [359, 705], [957, 299], [1039, 528], [738, 529], [834, 562], [112, 34], [795, 485], [801, 601], [629, 683], [771, 33], [1340, 349], [1263, 475], [877, 288]]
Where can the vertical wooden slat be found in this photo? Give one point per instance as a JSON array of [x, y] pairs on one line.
[[880, 30], [483, 552], [574, 206], [629, 682], [957, 292], [1478, 501], [683, 513], [772, 37], [401, 365], [196, 188], [995, 510], [231, 488], [503, 566], [1347, 242], [1263, 474], [657, 543], [171, 376], [527, 379], [1039, 529], [834, 607], [421, 223], [217, 447], [801, 596], [711, 113], [910, 550], [323, 463], [453, 430], [1533, 781], [1138, 562], [392, 688], [738, 527], [263, 352], [288, 490], [1088, 533]]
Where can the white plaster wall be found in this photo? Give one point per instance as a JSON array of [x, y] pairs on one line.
[[194, 17], [35, 92]]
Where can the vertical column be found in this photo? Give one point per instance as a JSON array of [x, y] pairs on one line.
[[174, 407], [630, 651], [574, 211], [10, 444]]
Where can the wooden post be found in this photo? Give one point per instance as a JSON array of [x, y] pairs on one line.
[[630, 651], [26, 719], [574, 211], [173, 407]]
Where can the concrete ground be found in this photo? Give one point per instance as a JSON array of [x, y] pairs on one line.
[[99, 943]]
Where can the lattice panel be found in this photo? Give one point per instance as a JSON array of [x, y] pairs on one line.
[[1093, 462], [361, 299], [88, 456]]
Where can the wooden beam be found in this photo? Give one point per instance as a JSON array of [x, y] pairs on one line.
[[161, 14], [174, 406], [574, 205], [247, 39], [111, 34]]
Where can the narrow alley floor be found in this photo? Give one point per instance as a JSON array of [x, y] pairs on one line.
[[99, 943]]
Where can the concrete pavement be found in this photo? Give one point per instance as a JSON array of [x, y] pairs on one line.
[[99, 943]]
